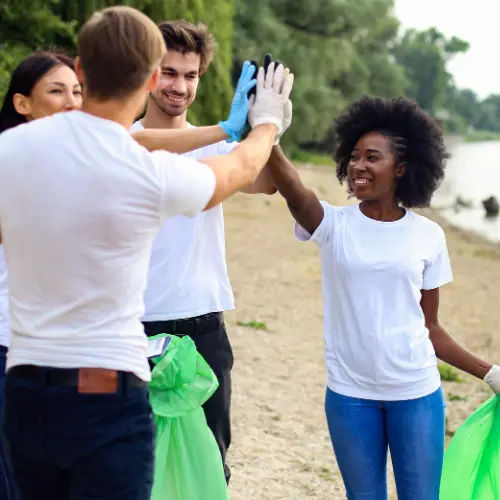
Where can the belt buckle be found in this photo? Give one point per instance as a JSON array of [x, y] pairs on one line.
[[97, 381]]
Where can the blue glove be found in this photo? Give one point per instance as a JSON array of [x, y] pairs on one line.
[[235, 124]]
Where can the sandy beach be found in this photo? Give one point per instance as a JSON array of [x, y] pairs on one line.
[[281, 448]]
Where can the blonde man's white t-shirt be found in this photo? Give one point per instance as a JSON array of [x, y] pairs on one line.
[[80, 205], [188, 272], [376, 343]]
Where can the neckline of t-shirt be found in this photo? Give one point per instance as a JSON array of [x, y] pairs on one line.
[[188, 125], [98, 119], [382, 223]]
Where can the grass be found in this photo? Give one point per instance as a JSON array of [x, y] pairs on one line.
[[256, 325], [486, 253], [481, 135], [448, 373], [456, 397], [302, 156]]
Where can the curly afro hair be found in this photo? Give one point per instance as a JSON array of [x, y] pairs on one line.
[[415, 139]]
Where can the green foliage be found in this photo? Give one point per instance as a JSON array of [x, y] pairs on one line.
[[338, 50], [26, 26], [215, 91], [305, 156], [448, 373], [256, 325], [423, 55], [29, 25], [481, 135], [456, 397]]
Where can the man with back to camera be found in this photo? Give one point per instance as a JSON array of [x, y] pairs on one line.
[[80, 204], [188, 285]]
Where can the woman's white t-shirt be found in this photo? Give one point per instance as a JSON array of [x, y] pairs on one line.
[[4, 301], [376, 343]]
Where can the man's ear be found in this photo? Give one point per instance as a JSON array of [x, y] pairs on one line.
[[153, 80], [80, 74], [22, 104], [401, 169]]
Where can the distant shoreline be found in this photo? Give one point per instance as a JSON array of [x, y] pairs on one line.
[[473, 136]]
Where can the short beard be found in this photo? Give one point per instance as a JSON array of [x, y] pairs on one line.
[[162, 108]]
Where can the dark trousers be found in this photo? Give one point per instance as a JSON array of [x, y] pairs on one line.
[[65, 445], [213, 344], [6, 478]]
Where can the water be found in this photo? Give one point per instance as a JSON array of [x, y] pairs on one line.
[[473, 173]]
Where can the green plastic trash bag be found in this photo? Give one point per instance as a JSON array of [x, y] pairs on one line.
[[188, 465], [471, 469]]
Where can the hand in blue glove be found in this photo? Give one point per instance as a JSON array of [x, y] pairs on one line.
[[235, 124]]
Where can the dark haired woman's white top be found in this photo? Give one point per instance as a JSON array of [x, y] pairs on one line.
[[376, 343], [4, 301]]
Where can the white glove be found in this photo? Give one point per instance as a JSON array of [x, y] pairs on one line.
[[492, 378], [272, 92], [287, 120]]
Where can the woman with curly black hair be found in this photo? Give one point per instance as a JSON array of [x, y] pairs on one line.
[[382, 267]]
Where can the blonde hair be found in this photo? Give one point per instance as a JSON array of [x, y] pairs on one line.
[[119, 48]]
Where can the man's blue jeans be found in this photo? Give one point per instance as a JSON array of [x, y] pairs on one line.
[[362, 430], [6, 481], [68, 445]]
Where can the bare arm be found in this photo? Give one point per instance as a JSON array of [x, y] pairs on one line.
[[302, 201], [242, 166], [179, 140], [447, 349], [263, 184]]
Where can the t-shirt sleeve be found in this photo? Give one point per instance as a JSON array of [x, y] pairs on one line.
[[437, 270], [186, 185], [224, 148], [326, 228]]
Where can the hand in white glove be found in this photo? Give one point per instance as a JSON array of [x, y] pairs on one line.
[[287, 120], [492, 378], [273, 90]]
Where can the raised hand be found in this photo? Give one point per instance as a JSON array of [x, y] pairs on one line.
[[235, 123], [273, 90]]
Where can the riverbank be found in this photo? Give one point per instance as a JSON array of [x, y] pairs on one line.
[[281, 448]]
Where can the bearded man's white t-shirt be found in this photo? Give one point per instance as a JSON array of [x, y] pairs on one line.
[[188, 273], [4, 302], [376, 343], [80, 205]]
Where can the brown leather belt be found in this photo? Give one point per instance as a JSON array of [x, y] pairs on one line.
[[87, 380]]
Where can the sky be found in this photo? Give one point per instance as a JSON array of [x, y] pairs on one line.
[[477, 22]]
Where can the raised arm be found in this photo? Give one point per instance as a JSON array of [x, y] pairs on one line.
[[179, 140], [242, 166], [263, 184], [302, 201], [183, 140]]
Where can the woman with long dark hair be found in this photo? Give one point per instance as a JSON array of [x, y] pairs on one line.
[[42, 84]]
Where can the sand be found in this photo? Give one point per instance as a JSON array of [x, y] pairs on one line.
[[281, 448]]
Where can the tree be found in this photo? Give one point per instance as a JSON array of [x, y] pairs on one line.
[[26, 26], [489, 114], [423, 55], [337, 50]]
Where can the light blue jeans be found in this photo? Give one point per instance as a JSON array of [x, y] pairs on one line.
[[362, 430]]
